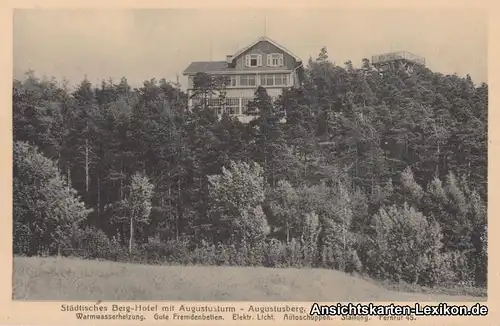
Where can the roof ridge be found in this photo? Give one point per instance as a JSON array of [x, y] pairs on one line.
[[265, 38]]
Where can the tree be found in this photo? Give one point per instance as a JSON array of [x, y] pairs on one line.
[[283, 205], [348, 65], [335, 238], [139, 202], [237, 196], [204, 89], [390, 138], [136, 208], [404, 245], [412, 192], [46, 209], [323, 55], [366, 64], [267, 134]]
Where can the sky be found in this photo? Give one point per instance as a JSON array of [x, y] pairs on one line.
[[141, 44]]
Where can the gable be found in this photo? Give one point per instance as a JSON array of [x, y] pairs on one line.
[[268, 40], [270, 56], [264, 48]]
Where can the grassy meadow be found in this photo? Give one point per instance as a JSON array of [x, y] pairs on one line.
[[76, 279]]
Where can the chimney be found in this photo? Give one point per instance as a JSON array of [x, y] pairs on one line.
[[229, 58]]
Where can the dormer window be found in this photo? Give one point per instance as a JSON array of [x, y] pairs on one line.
[[275, 60], [253, 60]]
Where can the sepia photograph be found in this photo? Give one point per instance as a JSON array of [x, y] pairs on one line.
[[272, 154]]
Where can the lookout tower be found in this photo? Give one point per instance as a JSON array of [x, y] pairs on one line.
[[397, 60]]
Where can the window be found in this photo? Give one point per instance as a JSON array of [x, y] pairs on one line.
[[214, 102], [233, 105], [281, 80], [253, 60], [229, 81], [247, 80], [267, 80], [278, 79], [244, 104], [230, 105], [275, 60], [274, 80]]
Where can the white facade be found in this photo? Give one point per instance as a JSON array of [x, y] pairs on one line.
[[238, 96], [263, 63]]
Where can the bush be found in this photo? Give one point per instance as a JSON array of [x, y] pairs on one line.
[[22, 239], [295, 254], [171, 251], [275, 254], [89, 243], [353, 263], [45, 207], [117, 252], [205, 254], [405, 246]]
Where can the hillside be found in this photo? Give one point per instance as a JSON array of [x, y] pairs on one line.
[[74, 279], [379, 174]]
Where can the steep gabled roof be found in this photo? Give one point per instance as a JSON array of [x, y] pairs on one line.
[[222, 66], [266, 39]]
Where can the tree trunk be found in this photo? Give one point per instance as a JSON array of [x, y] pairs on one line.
[[123, 237], [131, 235], [98, 198], [87, 165], [69, 176], [344, 240], [121, 180], [274, 175], [287, 233], [179, 210]]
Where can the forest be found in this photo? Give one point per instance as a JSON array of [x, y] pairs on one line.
[[379, 174]]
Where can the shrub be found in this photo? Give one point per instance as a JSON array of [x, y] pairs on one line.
[[404, 246], [88, 243], [171, 251]]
